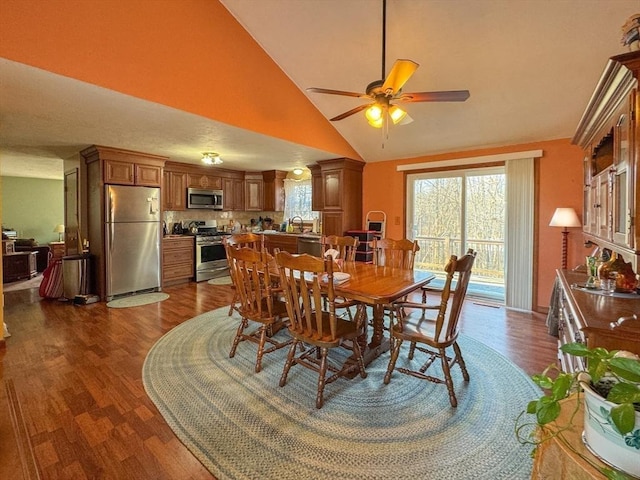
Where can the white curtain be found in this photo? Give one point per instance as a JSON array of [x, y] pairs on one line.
[[519, 235]]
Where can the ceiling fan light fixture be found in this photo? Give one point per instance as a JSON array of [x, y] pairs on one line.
[[211, 158], [396, 114], [374, 113], [376, 123], [297, 171]]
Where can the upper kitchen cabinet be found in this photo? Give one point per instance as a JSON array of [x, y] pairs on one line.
[[609, 134], [273, 186], [123, 167], [174, 191], [254, 196], [317, 199], [233, 189], [341, 195], [207, 182]]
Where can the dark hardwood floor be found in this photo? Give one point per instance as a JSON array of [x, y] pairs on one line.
[[72, 403]]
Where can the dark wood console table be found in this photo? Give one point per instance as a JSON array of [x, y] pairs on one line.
[[18, 266], [588, 316]]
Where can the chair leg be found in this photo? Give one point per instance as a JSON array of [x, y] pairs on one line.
[[321, 377], [263, 338], [243, 324], [395, 350], [463, 367], [233, 302], [289, 362], [358, 353], [447, 377], [412, 350]]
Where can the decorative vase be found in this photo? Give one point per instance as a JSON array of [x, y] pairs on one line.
[[625, 277], [602, 439]]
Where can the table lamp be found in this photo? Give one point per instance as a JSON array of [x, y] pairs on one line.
[[59, 230], [565, 217]]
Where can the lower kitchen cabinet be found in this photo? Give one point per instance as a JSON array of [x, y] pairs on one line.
[[178, 259], [284, 242]]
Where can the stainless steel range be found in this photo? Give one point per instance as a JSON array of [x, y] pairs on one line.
[[211, 260]]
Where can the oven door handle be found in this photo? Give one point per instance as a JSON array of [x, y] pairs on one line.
[[208, 244]]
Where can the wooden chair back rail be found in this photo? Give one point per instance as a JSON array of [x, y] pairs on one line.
[[347, 246], [388, 252], [245, 240]]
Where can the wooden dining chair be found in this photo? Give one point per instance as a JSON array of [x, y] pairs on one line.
[[401, 254], [346, 247], [388, 252], [257, 301], [432, 329], [304, 279], [237, 240]]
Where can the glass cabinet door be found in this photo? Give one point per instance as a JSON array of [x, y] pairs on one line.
[[621, 214]]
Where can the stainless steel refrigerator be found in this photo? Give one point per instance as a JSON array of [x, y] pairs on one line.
[[132, 239]]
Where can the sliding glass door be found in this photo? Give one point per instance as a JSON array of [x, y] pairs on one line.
[[450, 212]]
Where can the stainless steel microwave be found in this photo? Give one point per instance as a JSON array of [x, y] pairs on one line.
[[199, 198]]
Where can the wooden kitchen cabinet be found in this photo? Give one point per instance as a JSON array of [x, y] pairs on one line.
[[317, 199], [174, 191], [285, 242], [609, 134], [207, 182], [273, 186], [129, 173], [233, 197], [178, 259], [341, 185], [254, 196]]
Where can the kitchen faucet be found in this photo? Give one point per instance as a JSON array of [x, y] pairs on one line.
[[301, 222]]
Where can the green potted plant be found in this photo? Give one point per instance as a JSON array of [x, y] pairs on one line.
[[610, 387]]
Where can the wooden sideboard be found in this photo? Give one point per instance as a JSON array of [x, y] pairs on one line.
[[587, 317]]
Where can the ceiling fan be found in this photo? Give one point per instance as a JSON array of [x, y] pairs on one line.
[[385, 94]]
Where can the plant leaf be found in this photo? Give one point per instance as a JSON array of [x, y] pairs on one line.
[[627, 368], [547, 410], [576, 348], [542, 381], [561, 386], [624, 393], [623, 417], [597, 368], [531, 406]]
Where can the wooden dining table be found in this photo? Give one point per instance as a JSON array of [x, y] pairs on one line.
[[377, 286]]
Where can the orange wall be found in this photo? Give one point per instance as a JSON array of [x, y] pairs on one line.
[[187, 54], [560, 180]]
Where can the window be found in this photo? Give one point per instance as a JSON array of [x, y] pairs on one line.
[[297, 200]]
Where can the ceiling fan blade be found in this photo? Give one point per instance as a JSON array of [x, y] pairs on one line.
[[337, 92], [398, 76], [350, 112], [447, 96]]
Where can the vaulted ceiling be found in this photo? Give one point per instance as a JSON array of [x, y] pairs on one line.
[[530, 66]]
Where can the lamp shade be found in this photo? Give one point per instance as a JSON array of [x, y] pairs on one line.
[[59, 229], [565, 217]]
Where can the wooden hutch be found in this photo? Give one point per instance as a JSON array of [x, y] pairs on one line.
[[609, 134]]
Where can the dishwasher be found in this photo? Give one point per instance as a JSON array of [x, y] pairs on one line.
[[310, 244]]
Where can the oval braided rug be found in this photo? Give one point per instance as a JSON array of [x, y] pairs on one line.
[[242, 425]]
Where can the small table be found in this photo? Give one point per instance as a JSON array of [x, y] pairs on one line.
[[377, 286], [554, 459]]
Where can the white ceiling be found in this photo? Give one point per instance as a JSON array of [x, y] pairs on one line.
[[530, 65]]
